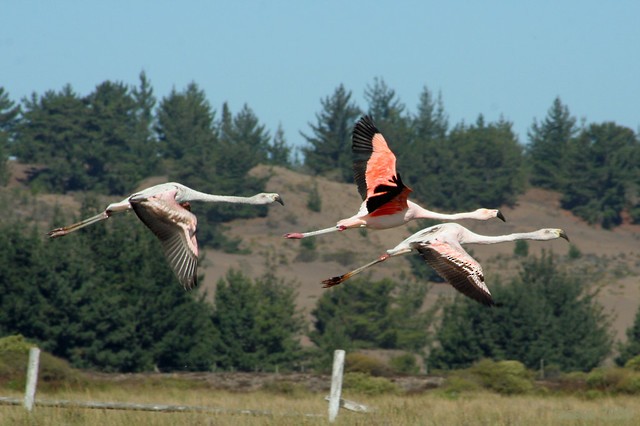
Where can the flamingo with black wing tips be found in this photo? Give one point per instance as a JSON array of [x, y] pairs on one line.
[[440, 246], [385, 197], [165, 209]]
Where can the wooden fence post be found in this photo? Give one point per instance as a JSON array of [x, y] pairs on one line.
[[32, 378], [336, 384]]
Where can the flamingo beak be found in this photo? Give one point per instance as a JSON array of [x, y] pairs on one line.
[[279, 200], [563, 234], [500, 216]]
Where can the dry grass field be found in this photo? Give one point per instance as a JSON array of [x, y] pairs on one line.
[[303, 408]]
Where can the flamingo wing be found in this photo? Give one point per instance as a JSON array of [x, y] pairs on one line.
[[457, 267], [374, 167], [175, 227]]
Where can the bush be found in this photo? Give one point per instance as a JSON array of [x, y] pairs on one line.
[[404, 364], [614, 380], [14, 356], [633, 363], [365, 384], [504, 377], [457, 383], [360, 363]]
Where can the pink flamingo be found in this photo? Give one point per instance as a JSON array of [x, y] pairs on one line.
[[384, 195], [440, 246], [165, 210]]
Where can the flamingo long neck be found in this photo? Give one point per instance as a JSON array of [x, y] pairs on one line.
[[193, 195], [419, 212], [473, 238]]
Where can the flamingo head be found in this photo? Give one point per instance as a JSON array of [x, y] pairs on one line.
[[555, 233], [485, 214], [268, 198]]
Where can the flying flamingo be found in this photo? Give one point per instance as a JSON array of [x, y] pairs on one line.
[[440, 246], [165, 209], [384, 195]]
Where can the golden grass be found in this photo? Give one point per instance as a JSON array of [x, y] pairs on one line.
[[429, 408]]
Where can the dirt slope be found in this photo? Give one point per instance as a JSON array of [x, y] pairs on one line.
[[620, 292], [535, 209]]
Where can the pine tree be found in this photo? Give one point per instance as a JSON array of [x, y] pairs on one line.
[[329, 148], [631, 348], [601, 159], [547, 148], [279, 152], [53, 132], [545, 314], [9, 114], [257, 322]]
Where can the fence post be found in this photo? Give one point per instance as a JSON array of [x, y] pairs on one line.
[[336, 384], [32, 378]]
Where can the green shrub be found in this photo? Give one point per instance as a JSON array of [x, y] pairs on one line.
[[356, 362], [633, 363], [404, 364], [615, 380], [368, 385], [457, 383], [314, 201], [521, 248], [53, 372], [504, 377]]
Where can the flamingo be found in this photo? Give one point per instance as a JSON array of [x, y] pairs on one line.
[[440, 246], [165, 209], [385, 204]]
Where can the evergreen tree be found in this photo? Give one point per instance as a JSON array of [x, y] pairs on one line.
[[105, 300], [9, 114], [329, 150], [371, 314], [257, 322], [52, 132], [427, 157], [144, 146], [186, 135], [631, 348], [279, 153], [560, 324], [481, 166], [603, 170], [109, 155], [548, 142]]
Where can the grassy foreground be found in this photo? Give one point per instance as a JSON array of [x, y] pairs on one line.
[[429, 408]]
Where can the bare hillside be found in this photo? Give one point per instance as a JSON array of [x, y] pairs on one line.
[[535, 209], [616, 251]]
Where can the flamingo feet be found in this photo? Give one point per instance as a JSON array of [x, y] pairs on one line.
[[294, 235], [332, 281]]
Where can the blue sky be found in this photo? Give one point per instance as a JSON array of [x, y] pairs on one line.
[[282, 57]]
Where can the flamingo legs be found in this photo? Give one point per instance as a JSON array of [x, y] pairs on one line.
[[120, 207]]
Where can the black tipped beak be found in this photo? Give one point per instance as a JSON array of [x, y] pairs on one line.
[[279, 200], [564, 235], [501, 216]]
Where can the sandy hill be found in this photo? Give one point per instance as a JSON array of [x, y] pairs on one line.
[[610, 259]]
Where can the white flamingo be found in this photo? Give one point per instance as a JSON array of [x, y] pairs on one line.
[[165, 210], [385, 203], [440, 246]]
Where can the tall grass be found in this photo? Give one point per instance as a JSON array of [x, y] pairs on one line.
[[293, 408]]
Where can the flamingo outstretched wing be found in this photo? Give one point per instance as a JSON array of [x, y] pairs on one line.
[[175, 227], [457, 267], [374, 168]]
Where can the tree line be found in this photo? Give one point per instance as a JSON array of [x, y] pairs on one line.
[[123, 312], [117, 135]]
